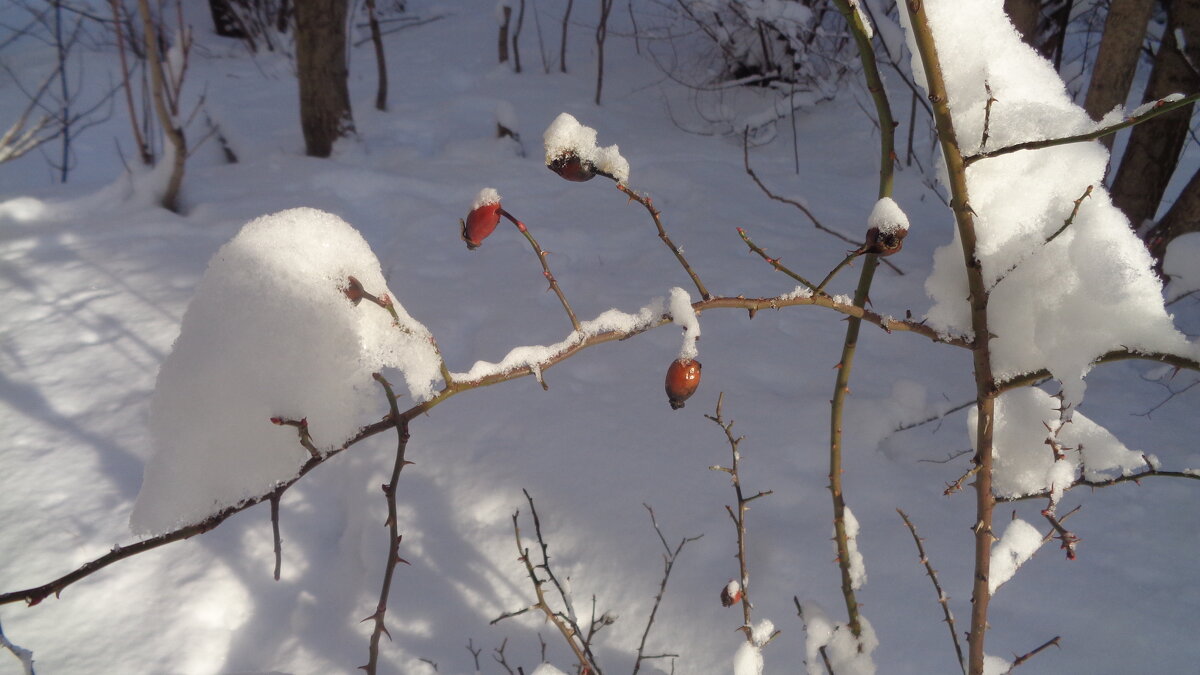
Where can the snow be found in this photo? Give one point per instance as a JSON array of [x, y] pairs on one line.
[[858, 570], [888, 216], [566, 135], [1016, 546], [748, 659], [486, 196], [271, 334], [547, 669], [1181, 264], [1024, 463], [1055, 305], [684, 316], [846, 654], [95, 281]]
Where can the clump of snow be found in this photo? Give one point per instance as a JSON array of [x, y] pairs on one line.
[[566, 135], [1056, 305], [547, 669], [888, 216], [994, 665], [847, 655], [748, 659], [270, 333], [858, 569], [486, 196], [762, 631], [1025, 465], [535, 356], [1181, 263], [797, 293], [684, 316], [1018, 544]]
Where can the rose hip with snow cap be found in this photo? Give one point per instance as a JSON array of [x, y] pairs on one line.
[[887, 227], [483, 218], [683, 377], [572, 168]]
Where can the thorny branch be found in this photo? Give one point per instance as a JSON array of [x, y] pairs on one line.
[[655, 214], [1052, 642], [943, 599], [541, 255], [669, 558]]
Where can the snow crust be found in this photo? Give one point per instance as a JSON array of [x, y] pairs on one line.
[[1025, 465], [566, 135], [684, 316], [1017, 545], [1060, 304], [268, 334], [748, 659], [888, 216]]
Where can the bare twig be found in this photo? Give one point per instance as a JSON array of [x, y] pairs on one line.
[[739, 515], [1052, 642], [541, 255], [774, 262], [669, 558], [1071, 218], [656, 215], [943, 599], [400, 423]]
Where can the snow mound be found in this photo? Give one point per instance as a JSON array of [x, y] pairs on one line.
[[1060, 296], [271, 333]]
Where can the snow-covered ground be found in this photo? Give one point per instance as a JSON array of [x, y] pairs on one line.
[[95, 281]]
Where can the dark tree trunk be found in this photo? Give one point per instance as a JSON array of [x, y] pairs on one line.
[[1153, 150], [502, 45], [1025, 16], [224, 20], [1182, 218], [1117, 57], [325, 114]]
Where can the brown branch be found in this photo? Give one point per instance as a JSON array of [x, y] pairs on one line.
[[1054, 641], [1160, 107], [739, 519], [803, 209], [668, 563], [1068, 538], [774, 262], [394, 537], [655, 214], [1108, 482], [275, 535], [541, 256], [943, 599], [1071, 218]]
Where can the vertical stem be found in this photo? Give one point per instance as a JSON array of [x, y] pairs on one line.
[[381, 92], [850, 344], [985, 387], [65, 113]]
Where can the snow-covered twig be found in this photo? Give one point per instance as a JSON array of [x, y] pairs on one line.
[[1152, 110], [943, 599]]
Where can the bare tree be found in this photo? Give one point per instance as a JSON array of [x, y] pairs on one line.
[[325, 114]]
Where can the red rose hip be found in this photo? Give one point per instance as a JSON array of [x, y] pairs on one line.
[[483, 218], [683, 376]]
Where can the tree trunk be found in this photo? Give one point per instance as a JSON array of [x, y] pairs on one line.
[[325, 114], [1153, 150], [1183, 217], [381, 91], [224, 20], [167, 117], [1025, 16], [562, 51], [1117, 57], [503, 39]]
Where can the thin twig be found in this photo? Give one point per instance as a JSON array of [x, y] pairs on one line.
[[1054, 641], [1071, 218], [943, 599], [541, 256], [275, 535], [400, 423], [655, 214], [1159, 107], [668, 563], [774, 262]]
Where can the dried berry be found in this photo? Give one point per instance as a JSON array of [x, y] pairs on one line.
[[683, 376], [731, 593], [481, 222], [572, 168], [354, 290], [884, 242]]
